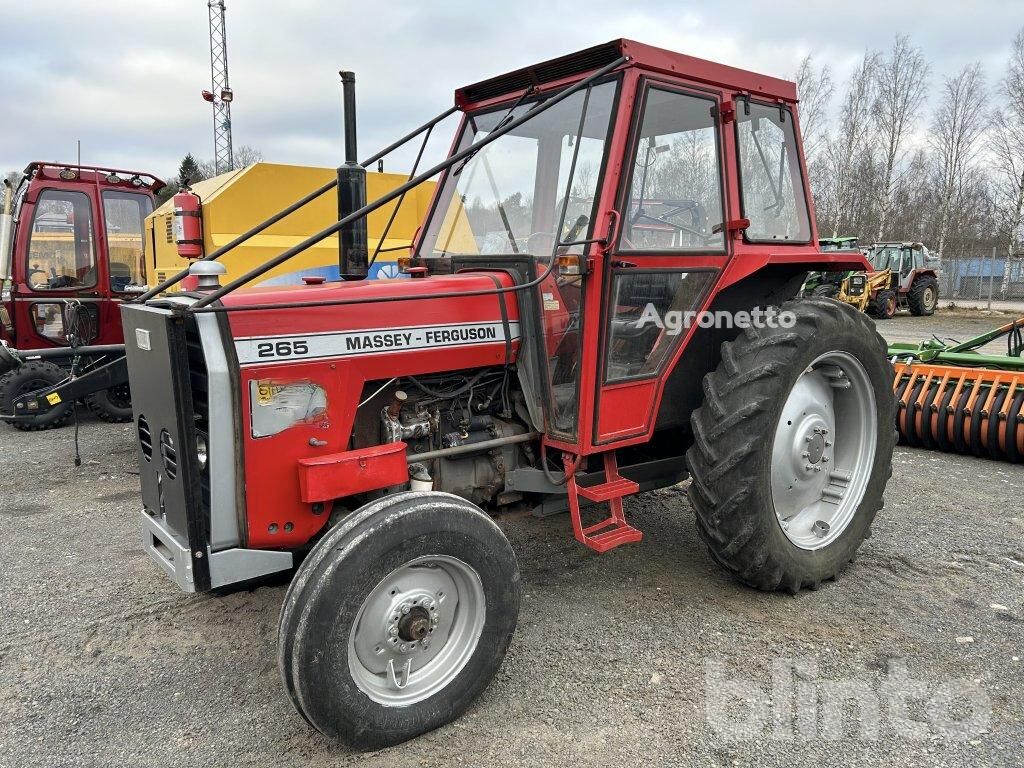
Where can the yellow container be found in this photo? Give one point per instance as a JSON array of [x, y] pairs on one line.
[[236, 201]]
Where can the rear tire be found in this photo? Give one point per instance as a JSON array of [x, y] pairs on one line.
[[436, 554], [923, 295], [113, 405], [31, 377], [754, 526]]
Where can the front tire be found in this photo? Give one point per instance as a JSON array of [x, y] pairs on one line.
[[793, 447], [31, 377], [398, 618], [883, 306]]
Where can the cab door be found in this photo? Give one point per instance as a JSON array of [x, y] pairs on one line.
[[59, 251], [671, 245]]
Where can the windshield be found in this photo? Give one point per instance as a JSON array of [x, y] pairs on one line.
[[886, 257], [508, 197]]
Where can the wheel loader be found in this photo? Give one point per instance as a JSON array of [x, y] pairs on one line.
[[903, 276], [373, 433]]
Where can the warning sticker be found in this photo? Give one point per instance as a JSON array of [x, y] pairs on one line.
[[53, 398], [266, 390]]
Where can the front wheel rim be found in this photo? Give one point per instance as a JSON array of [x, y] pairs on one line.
[[823, 451], [416, 630]]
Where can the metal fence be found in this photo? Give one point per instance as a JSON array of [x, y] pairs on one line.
[[982, 278]]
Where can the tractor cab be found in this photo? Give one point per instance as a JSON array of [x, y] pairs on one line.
[[77, 237], [903, 260], [71, 250], [647, 188]]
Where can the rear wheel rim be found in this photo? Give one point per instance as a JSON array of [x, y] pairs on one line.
[[120, 396], [416, 630], [823, 451], [32, 385], [929, 298]]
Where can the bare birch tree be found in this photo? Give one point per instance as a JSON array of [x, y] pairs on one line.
[[814, 88], [1007, 151], [853, 138], [957, 129], [902, 85]]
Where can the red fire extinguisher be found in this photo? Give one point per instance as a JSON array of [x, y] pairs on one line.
[[188, 224]]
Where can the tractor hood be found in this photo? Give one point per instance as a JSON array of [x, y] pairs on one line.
[[432, 316]]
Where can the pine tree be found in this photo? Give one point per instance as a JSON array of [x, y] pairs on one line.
[[188, 171]]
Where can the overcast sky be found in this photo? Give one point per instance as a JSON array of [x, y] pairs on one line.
[[125, 76]]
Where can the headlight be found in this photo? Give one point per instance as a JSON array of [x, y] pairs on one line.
[[202, 451]]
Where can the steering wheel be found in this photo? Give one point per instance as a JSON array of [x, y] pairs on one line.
[[44, 283]]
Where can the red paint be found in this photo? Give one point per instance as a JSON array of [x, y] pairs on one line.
[[338, 475], [610, 415]]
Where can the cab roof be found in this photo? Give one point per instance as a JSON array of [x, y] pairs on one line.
[[647, 57]]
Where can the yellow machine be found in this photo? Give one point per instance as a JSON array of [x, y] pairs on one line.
[[870, 292], [235, 201]]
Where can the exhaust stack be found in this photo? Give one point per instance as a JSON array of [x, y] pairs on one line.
[[353, 250]]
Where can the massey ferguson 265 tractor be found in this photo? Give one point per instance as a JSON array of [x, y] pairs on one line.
[[368, 431]]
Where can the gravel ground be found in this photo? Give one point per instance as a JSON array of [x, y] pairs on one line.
[[647, 654]]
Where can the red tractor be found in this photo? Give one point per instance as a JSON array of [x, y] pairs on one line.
[[547, 354], [71, 250]]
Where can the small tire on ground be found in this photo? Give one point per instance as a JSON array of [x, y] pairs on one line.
[[330, 588], [923, 295], [883, 306], [113, 405], [731, 458], [31, 377]]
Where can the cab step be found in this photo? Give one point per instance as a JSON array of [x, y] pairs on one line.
[[613, 531]]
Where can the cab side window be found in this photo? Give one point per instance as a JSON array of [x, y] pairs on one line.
[[771, 184], [675, 193], [124, 214], [62, 244]]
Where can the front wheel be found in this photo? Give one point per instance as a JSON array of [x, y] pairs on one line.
[[398, 618], [793, 446], [883, 306]]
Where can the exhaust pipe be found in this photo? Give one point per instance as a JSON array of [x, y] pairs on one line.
[[353, 249], [6, 231]]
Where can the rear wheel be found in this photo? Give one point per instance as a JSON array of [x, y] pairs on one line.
[[923, 296], [791, 511], [31, 377], [398, 619], [113, 404]]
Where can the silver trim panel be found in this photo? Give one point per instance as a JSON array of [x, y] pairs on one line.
[[229, 566]]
